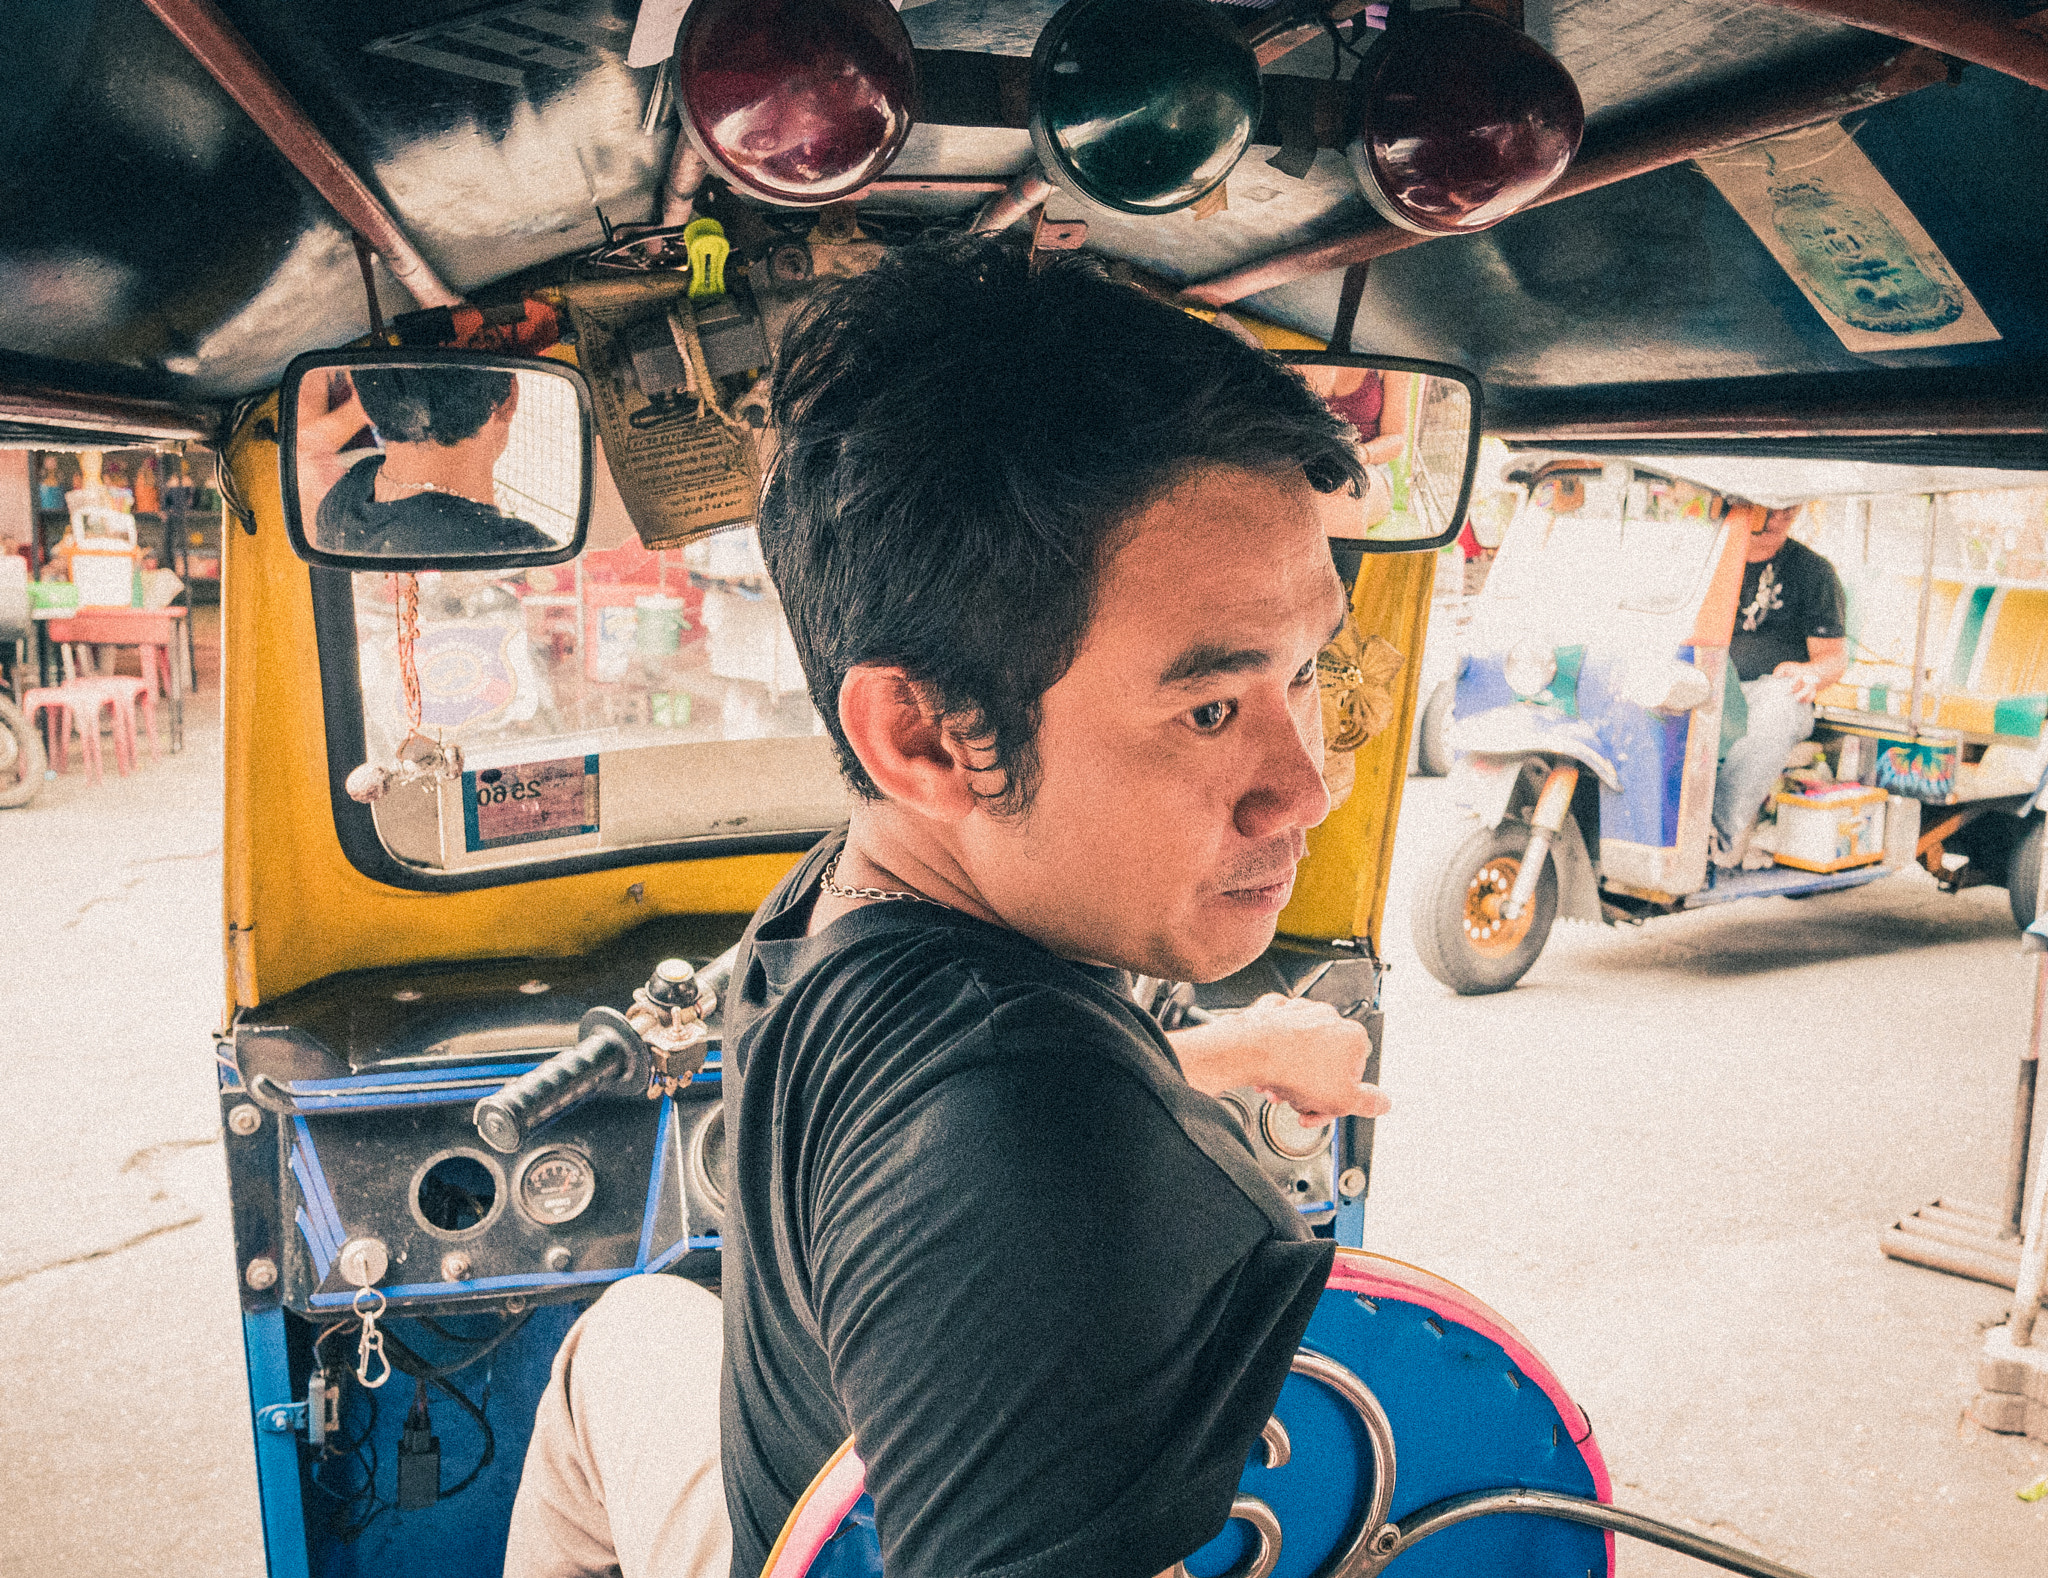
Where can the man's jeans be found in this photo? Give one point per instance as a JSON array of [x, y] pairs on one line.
[[1749, 772]]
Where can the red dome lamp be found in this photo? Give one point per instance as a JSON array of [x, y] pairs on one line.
[[1460, 120], [798, 102]]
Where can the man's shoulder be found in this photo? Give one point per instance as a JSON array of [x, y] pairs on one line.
[[967, 986], [1802, 560]]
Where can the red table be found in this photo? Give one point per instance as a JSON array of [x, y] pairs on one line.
[[146, 629]]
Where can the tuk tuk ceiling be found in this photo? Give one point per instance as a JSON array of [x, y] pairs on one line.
[[154, 244]]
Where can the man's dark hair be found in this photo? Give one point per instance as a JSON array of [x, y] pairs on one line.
[[409, 405], [960, 440]]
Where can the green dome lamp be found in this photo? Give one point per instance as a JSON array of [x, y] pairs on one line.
[[1142, 105]]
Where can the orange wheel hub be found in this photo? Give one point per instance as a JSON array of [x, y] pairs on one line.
[[1487, 930]]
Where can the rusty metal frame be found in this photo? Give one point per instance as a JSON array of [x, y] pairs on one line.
[[214, 42], [1982, 33], [1626, 154], [64, 410]]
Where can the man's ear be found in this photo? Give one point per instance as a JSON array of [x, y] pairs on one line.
[[905, 747]]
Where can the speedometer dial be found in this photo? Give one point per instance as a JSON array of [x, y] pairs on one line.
[[555, 1185]]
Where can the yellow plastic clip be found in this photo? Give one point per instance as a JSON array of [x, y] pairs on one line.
[[704, 240]]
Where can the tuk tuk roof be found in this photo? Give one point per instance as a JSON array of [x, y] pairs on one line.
[[1781, 484], [155, 245]]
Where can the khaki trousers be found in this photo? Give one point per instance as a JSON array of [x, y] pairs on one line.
[[622, 1479]]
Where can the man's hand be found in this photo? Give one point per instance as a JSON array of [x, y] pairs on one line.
[[1806, 682], [1301, 1052], [1827, 660]]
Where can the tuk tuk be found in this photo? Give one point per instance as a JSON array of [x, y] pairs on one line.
[[1595, 699], [502, 788]]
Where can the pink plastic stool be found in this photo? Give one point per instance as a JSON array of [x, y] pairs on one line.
[[124, 693], [66, 710]]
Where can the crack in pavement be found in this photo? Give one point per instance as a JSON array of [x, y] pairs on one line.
[[146, 1161], [125, 889], [148, 1157], [99, 1254], [160, 860]]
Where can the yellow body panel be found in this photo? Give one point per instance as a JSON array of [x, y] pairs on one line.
[[296, 910], [1341, 889], [2014, 661]]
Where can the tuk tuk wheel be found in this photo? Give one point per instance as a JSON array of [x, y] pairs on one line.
[[1433, 754], [2023, 872], [21, 757], [1462, 936]]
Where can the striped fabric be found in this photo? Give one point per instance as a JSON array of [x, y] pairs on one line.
[[1987, 656]]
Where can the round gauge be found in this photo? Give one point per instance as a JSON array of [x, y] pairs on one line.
[[1240, 1114], [707, 1158], [1287, 1134], [555, 1185]]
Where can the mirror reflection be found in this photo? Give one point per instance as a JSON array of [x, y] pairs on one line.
[[419, 460], [1415, 432]]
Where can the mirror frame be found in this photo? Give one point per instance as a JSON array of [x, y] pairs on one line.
[[288, 474], [1407, 364]]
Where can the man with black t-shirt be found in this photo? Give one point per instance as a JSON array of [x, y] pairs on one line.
[[1788, 646], [1051, 554]]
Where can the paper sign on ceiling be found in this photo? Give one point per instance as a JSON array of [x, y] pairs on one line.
[[1852, 247]]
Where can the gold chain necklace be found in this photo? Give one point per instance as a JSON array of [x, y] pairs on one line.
[[831, 885]]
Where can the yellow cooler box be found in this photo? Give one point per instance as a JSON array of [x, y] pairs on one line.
[[1831, 831]]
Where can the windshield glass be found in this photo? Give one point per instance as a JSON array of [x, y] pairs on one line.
[[1589, 542], [628, 697]]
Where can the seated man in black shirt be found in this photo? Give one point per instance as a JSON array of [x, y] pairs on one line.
[[1788, 646], [1051, 554], [433, 488]]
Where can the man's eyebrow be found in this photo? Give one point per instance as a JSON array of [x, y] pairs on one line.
[[1210, 659]]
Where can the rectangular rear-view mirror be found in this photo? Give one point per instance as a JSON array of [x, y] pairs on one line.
[[1418, 424], [434, 460]]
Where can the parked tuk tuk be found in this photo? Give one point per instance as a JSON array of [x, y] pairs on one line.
[[507, 770], [1595, 699]]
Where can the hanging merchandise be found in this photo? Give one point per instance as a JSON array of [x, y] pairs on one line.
[[684, 463], [101, 547]]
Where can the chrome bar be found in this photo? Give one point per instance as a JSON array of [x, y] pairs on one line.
[[1425, 1521]]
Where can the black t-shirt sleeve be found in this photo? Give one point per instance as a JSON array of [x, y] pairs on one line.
[[1057, 1327]]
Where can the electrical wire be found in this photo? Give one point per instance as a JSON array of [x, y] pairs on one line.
[[403, 1358], [479, 1346]]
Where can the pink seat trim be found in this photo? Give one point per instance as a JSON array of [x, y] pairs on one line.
[[817, 1515], [842, 1481]]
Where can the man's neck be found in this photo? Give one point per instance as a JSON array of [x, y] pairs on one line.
[[892, 853], [462, 470]]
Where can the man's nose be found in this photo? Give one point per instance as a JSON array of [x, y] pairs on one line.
[[1288, 794]]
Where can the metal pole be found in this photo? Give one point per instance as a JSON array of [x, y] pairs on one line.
[[1722, 124], [1024, 195], [1973, 30], [1920, 627], [2026, 1297], [203, 29], [2023, 1115]]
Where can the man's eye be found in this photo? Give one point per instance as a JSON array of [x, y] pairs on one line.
[[1211, 716], [1305, 673]]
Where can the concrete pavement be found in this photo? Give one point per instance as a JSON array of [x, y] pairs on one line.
[[1667, 1156], [125, 1425]]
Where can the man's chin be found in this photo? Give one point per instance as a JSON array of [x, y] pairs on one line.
[[1221, 950]]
